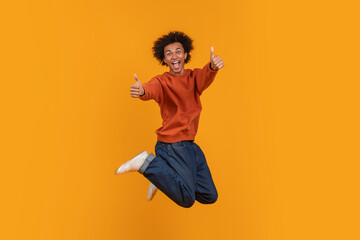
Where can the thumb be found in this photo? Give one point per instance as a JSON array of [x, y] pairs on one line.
[[137, 79], [211, 53]]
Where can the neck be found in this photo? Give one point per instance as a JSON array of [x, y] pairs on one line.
[[182, 72]]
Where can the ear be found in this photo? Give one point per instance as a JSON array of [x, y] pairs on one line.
[[185, 55]]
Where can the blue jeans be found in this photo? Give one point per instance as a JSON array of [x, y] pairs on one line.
[[180, 171]]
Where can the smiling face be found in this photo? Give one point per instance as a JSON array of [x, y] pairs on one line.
[[175, 58]]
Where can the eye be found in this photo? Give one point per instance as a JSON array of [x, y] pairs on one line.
[[178, 52]]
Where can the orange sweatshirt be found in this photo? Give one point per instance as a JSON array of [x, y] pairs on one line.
[[179, 101]]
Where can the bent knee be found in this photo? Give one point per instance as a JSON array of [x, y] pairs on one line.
[[212, 198], [187, 205], [187, 202], [208, 198]]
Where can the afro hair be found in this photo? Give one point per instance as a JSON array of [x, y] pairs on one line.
[[172, 37]]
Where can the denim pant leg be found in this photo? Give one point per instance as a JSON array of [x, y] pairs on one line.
[[173, 171], [205, 190]]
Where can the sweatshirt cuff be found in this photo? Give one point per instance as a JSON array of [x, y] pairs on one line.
[[146, 93], [209, 63]]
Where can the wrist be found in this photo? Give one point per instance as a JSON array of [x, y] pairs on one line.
[[142, 93], [212, 67]]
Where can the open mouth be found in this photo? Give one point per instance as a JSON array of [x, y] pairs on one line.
[[176, 64]]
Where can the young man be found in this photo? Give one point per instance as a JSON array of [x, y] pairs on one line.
[[179, 169]]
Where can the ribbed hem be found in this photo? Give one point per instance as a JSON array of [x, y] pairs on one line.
[[172, 139], [146, 163]]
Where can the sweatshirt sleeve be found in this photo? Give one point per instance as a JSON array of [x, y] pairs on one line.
[[153, 90], [204, 77]]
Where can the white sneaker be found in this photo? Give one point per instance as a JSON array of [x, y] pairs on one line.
[[133, 164], [151, 192]]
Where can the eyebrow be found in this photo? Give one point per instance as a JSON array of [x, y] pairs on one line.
[[175, 49]]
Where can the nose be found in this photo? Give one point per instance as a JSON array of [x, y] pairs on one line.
[[175, 57]]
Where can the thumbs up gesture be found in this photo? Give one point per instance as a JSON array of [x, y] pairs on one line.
[[215, 61], [136, 89]]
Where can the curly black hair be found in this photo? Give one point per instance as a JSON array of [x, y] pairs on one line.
[[172, 37]]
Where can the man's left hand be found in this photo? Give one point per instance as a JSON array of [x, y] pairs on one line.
[[215, 61]]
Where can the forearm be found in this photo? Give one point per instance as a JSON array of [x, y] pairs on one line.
[[205, 77]]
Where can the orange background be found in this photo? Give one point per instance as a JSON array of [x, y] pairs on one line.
[[279, 127]]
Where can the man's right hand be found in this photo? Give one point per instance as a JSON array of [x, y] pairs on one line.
[[136, 89]]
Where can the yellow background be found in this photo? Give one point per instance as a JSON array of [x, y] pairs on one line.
[[279, 127]]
